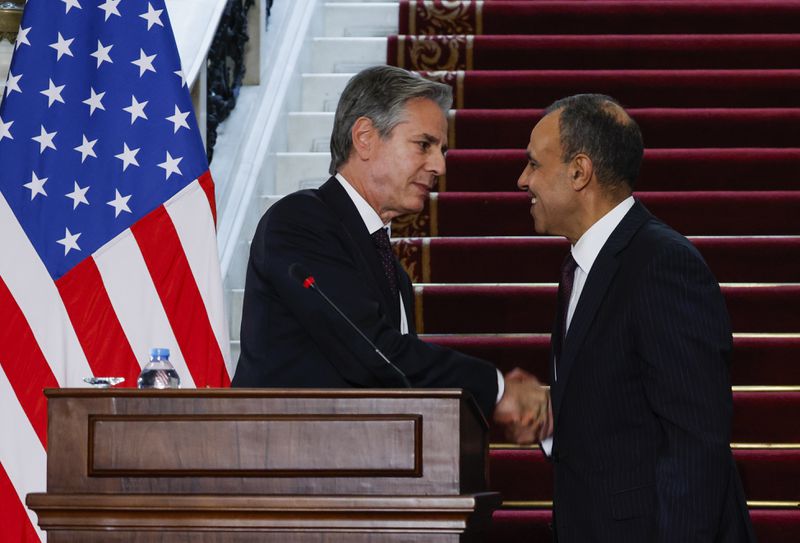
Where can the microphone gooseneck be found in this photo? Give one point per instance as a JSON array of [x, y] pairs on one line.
[[302, 276]]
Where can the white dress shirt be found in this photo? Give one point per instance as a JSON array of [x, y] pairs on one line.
[[585, 252], [374, 223]]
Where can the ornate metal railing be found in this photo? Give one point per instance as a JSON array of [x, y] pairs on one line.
[[226, 66]]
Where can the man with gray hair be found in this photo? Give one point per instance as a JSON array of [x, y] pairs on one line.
[[387, 148]]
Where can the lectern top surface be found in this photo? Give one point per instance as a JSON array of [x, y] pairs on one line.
[[260, 392]]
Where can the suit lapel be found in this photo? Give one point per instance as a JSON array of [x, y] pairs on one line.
[[593, 294], [344, 208]]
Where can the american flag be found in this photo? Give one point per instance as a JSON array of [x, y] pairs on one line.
[[106, 222]]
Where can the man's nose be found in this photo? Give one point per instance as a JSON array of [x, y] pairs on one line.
[[437, 163], [522, 182]]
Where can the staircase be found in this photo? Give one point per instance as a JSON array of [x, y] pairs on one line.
[[715, 87]]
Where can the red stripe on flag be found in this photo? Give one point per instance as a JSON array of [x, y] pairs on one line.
[[23, 363], [172, 276], [15, 522], [96, 324], [207, 185]]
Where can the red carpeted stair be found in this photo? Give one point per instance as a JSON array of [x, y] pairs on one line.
[[715, 87], [663, 128], [674, 169], [599, 52]]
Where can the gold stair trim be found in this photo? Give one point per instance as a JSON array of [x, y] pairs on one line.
[[750, 284], [767, 335], [769, 446], [433, 212], [756, 504], [401, 51], [426, 259], [451, 136], [460, 89], [418, 311], [766, 388]]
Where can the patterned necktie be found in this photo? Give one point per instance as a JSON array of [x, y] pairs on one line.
[[564, 294], [381, 240]]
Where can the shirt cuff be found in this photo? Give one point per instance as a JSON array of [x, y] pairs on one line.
[[501, 386], [547, 446]]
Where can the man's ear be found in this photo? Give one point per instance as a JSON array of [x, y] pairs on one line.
[[581, 171], [363, 134]]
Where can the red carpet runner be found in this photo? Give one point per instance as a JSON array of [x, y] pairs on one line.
[[715, 87]]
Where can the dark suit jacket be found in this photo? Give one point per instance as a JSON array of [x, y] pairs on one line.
[[291, 338], [643, 401]]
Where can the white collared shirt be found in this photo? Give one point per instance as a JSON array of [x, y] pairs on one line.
[[587, 248], [373, 223], [585, 252]]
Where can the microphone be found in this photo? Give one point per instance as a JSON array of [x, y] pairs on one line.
[[302, 276]]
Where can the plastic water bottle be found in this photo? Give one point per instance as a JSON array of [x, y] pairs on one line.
[[159, 372]]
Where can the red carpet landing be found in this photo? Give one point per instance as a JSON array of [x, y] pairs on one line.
[[715, 87]]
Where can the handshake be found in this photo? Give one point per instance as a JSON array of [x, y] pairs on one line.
[[525, 409]]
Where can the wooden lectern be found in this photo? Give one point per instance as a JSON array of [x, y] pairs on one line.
[[266, 465]]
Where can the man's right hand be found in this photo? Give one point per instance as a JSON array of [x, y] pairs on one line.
[[525, 409]]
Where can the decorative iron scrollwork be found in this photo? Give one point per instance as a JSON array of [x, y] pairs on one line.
[[226, 66]]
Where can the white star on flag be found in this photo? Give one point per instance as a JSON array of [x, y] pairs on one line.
[[153, 16], [78, 196], [94, 101], [179, 119], [13, 83], [102, 53], [4, 129], [179, 73], [71, 4], [22, 37], [144, 62], [136, 109], [69, 241], [36, 185], [110, 8], [86, 148], [62, 46], [53, 93], [120, 203], [170, 165], [128, 157], [45, 140]]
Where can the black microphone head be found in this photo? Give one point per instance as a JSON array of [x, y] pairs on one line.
[[298, 272]]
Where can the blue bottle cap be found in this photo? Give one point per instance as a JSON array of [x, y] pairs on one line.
[[159, 352]]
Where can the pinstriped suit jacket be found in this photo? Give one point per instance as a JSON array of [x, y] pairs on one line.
[[643, 401]]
